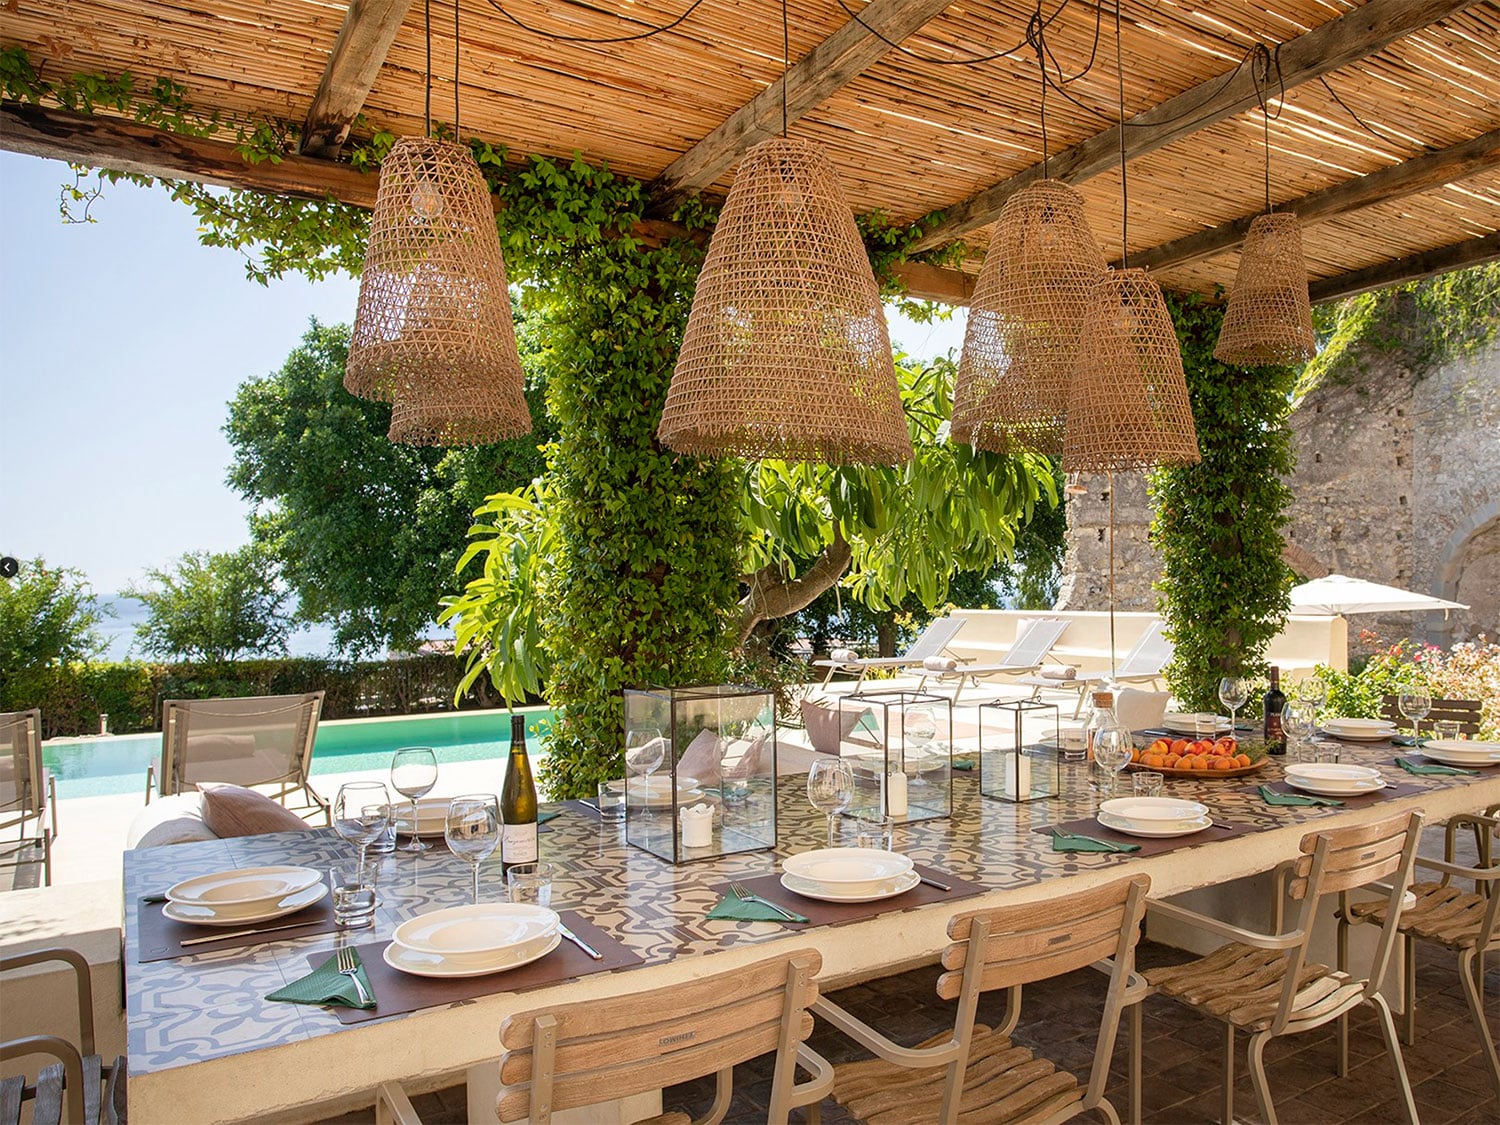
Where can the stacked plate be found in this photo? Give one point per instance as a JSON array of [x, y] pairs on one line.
[[848, 874], [1190, 722], [1359, 730], [1462, 752], [1156, 817], [654, 791], [250, 894], [1329, 780], [473, 941]]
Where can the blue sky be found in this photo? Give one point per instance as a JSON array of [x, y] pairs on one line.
[[121, 343]]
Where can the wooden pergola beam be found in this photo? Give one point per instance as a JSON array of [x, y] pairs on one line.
[[1474, 252], [1421, 173], [828, 67], [1339, 42], [369, 29]]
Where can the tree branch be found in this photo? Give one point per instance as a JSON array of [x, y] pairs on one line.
[[774, 595]]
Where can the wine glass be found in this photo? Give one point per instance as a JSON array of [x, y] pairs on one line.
[[1112, 748], [413, 774], [1232, 693], [472, 830], [1299, 720], [830, 788], [645, 750], [920, 725], [361, 814], [1414, 702]]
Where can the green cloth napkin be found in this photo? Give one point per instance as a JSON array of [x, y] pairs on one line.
[[1069, 842], [734, 908], [548, 814], [1271, 797], [1413, 767], [1406, 740], [326, 985], [963, 763]]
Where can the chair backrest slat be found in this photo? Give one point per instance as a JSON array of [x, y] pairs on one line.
[[21, 761], [252, 741], [1465, 712], [612, 1048], [1356, 856], [937, 636]]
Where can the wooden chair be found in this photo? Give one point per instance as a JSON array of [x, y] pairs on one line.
[[601, 1050], [28, 792], [975, 1071], [1447, 915], [93, 1092], [1464, 712], [262, 740], [1264, 985]]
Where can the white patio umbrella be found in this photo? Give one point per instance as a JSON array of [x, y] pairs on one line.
[[1338, 594]]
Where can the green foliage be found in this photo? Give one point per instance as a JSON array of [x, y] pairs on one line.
[[365, 532], [1469, 670], [73, 695], [213, 606], [47, 617], [1223, 590]]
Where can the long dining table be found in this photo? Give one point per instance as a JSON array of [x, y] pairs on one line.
[[207, 1046]]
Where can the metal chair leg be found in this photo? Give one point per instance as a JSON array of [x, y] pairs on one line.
[[1341, 1066], [1471, 972], [1409, 991], [1227, 1114], [1393, 1048], [1136, 1052], [1255, 1056]]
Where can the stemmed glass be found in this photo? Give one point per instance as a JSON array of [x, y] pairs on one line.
[[473, 831], [1232, 693], [920, 725], [413, 774], [1299, 720], [645, 750], [1112, 748], [1414, 702], [830, 788], [361, 814]]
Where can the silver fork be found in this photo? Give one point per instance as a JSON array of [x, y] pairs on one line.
[[349, 967], [742, 892]]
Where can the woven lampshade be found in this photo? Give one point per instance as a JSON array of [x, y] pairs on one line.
[[1128, 403], [1269, 319], [1028, 308], [786, 352], [433, 332]]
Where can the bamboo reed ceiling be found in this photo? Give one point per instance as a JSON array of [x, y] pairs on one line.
[[908, 137]]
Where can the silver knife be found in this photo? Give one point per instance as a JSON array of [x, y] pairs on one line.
[[933, 883], [579, 942], [246, 933]]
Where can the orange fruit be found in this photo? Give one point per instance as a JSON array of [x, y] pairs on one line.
[[1172, 760], [1242, 760], [1224, 763], [1180, 746]]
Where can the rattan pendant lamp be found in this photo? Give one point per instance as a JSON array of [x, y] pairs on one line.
[[1269, 317], [433, 333], [786, 352], [1027, 313]]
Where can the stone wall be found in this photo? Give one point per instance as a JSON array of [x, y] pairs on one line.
[[1085, 577]]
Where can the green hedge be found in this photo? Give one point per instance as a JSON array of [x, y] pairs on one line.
[[73, 696]]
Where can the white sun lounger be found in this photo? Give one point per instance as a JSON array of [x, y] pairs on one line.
[[1031, 647], [933, 640], [1143, 664]]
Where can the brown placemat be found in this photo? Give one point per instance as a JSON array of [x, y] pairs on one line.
[[1392, 789], [819, 913], [161, 937], [397, 993], [1088, 826]]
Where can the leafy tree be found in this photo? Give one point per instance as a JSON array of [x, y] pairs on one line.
[[364, 531], [213, 606], [47, 616]]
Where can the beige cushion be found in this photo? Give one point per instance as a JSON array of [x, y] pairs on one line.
[[1057, 672], [169, 820], [940, 664], [175, 830], [828, 727], [843, 656], [229, 810]]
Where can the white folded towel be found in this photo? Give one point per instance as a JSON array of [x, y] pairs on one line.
[[843, 656], [939, 663], [1057, 672]]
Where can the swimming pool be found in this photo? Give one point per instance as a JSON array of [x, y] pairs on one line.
[[102, 767]]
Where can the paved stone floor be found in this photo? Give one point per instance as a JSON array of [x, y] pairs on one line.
[[1059, 1019]]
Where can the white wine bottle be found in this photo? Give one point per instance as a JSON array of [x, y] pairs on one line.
[[518, 802]]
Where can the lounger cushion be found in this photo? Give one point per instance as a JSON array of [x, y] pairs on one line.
[[940, 663], [169, 820], [229, 810], [1057, 672], [843, 656]]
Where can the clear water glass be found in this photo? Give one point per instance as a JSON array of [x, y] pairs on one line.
[[1233, 691], [472, 829], [361, 814], [1147, 783], [414, 772], [878, 832], [611, 801], [530, 883], [1414, 702], [830, 788], [353, 888]]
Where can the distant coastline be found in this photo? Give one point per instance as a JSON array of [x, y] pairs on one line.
[[119, 632]]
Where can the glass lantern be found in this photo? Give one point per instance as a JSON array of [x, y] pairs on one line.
[[900, 746], [711, 788], [1010, 767]]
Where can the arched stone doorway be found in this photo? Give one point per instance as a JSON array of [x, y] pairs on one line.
[[1469, 572]]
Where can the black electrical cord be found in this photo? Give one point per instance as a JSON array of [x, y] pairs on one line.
[[647, 34]]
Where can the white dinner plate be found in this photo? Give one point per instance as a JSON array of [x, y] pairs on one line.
[[1461, 752], [850, 870], [420, 964], [644, 800], [1162, 830], [1359, 730], [809, 889], [246, 887], [432, 816], [1329, 779], [1187, 723], [1154, 810], [480, 932], [208, 916]]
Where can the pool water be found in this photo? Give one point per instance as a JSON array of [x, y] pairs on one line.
[[103, 767]]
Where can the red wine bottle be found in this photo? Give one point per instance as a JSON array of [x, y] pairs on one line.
[[1275, 701]]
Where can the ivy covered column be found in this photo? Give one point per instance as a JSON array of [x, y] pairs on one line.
[[1219, 523]]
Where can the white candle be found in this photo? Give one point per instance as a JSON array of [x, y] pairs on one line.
[[895, 795], [1018, 781]]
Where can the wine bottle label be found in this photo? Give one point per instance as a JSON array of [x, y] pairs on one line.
[[518, 843]]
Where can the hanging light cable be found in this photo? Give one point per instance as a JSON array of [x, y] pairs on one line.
[[786, 352], [433, 333]]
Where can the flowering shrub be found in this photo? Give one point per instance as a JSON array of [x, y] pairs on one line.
[[1470, 670]]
